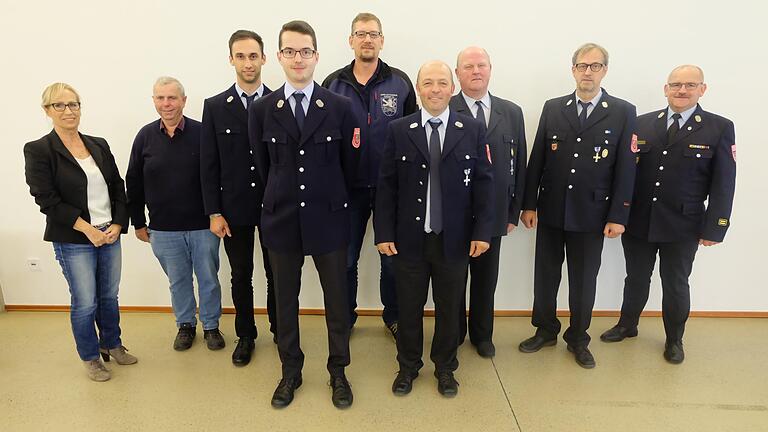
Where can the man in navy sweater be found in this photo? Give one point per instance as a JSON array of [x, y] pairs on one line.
[[164, 175]]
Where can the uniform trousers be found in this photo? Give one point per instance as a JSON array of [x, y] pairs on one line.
[[484, 274]]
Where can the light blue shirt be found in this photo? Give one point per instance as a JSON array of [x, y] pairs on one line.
[[290, 90], [485, 100], [590, 108], [259, 93], [425, 117], [684, 116]]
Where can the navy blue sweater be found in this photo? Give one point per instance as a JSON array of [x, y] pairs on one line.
[[164, 174]]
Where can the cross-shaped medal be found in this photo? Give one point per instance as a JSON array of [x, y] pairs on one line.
[[466, 176], [597, 157]]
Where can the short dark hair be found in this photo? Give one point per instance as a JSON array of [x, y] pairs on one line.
[[365, 17], [245, 34], [298, 26]]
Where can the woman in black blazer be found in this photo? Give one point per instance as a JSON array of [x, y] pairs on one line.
[[75, 181]]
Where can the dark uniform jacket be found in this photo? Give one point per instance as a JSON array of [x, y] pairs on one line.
[[389, 96], [229, 179], [306, 175], [698, 165], [506, 139], [467, 186], [60, 186], [580, 178]]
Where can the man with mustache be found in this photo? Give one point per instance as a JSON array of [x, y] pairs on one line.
[[685, 157], [379, 94], [578, 191]]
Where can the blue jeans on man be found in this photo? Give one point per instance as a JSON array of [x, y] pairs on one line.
[[93, 276], [180, 254], [362, 202]]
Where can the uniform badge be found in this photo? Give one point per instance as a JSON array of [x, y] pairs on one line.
[[697, 118], [488, 153], [722, 222], [570, 101], [604, 104], [466, 176], [605, 153], [389, 104], [554, 146], [413, 125], [459, 124], [661, 114], [597, 156], [634, 147], [280, 103], [356, 138], [698, 146], [733, 152], [319, 103], [229, 99]]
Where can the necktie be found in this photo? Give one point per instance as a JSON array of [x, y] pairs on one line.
[[435, 191], [299, 110], [674, 128], [583, 115], [248, 99], [480, 112]]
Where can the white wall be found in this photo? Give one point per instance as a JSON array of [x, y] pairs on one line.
[[112, 52]]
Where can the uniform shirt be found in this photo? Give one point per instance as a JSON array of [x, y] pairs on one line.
[[486, 101], [684, 116], [425, 117], [259, 93], [290, 90], [592, 103]]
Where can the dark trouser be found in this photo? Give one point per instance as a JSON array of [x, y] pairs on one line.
[[362, 204], [583, 251], [330, 267], [413, 276], [675, 266], [239, 249], [484, 272]]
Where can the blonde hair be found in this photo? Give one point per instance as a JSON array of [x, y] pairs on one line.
[[587, 47], [54, 90]]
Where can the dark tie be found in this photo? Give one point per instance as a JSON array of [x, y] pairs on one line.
[[480, 112], [583, 115], [299, 110], [435, 191], [249, 99], [674, 128]]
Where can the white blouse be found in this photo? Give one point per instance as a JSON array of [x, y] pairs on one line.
[[99, 205]]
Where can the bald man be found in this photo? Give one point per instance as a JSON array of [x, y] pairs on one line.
[[686, 176], [505, 135], [435, 211]]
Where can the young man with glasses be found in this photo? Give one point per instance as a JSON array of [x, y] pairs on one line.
[[301, 138], [379, 94], [685, 156], [231, 188], [578, 191]]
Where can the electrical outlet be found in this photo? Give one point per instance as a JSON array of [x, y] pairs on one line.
[[33, 264]]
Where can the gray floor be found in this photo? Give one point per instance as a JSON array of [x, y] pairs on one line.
[[722, 386]]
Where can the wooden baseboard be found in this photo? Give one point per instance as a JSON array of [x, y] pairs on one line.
[[377, 312]]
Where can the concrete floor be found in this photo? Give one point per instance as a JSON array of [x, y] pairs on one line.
[[722, 386]]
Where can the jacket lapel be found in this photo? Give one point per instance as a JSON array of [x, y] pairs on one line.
[[95, 152], [568, 109], [235, 105], [660, 126], [316, 114], [284, 115], [454, 131], [599, 112], [496, 115], [419, 137], [690, 126], [59, 147]]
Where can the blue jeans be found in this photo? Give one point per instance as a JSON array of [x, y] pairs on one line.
[[363, 201], [93, 275], [180, 253]]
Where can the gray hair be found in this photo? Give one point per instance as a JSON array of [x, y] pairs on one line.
[[587, 47], [165, 80], [688, 66]]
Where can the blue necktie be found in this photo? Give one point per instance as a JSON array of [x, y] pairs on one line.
[[249, 99], [674, 128], [480, 112], [435, 191], [299, 110], [583, 115]]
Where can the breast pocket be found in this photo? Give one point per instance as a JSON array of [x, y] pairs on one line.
[[406, 162], [277, 146], [554, 142], [466, 159], [327, 146], [227, 134]]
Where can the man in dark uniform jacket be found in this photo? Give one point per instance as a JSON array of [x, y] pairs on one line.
[[578, 190], [435, 210], [231, 187], [685, 156], [505, 136], [301, 138]]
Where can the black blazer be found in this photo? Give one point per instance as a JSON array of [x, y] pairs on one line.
[[228, 176], [578, 177], [306, 174], [466, 180], [60, 186], [699, 165], [506, 139]]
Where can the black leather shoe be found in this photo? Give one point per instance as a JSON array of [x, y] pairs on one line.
[[618, 333], [403, 383], [674, 353], [184, 337], [214, 339], [283, 395], [446, 383], [486, 349], [535, 343], [242, 354], [583, 357], [341, 394]]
